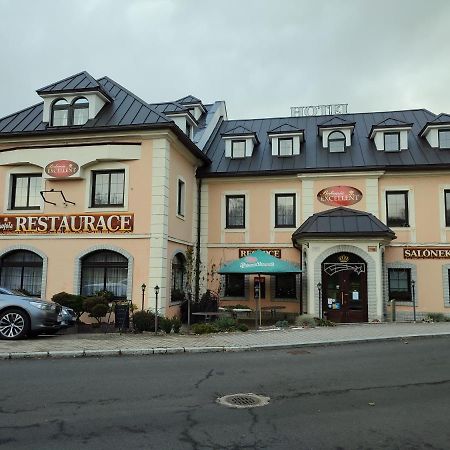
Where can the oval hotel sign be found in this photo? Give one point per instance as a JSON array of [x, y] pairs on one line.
[[61, 168], [339, 196]]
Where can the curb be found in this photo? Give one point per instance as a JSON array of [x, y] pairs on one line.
[[59, 354]]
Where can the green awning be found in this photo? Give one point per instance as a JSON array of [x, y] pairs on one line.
[[259, 263]]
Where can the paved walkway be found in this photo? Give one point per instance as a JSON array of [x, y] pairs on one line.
[[76, 345]]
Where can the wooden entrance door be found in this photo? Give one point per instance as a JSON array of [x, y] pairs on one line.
[[344, 288]]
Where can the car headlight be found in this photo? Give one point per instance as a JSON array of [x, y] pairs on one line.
[[43, 305]]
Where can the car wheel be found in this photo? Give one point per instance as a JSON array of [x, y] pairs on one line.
[[14, 324]]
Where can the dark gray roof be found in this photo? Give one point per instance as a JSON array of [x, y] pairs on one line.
[[79, 82], [189, 100], [124, 111], [361, 155], [285, 128], [343, 222], [336, 121], [238, 131], [441, 119]]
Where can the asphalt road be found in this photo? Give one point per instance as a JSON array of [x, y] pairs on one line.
[[389, 395]]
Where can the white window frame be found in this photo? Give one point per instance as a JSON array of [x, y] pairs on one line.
[[246, 212], [238, 141], [411, 207], [111, 165], [7, 202]]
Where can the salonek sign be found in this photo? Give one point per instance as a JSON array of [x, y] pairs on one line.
[[66, 224]]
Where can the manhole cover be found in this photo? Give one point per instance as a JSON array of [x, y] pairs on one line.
[[243, 400]]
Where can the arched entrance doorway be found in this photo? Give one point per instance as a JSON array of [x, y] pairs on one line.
[[344, 288]]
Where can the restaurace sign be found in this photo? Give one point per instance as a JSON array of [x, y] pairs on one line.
[[339, 196], [66, 224], [276, 252]]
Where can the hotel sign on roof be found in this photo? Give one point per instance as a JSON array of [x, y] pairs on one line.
[[319, 110]]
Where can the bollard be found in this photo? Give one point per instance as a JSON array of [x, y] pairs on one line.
[[393, 310]]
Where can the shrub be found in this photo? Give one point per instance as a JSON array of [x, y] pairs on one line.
[[436, 317], [176, 324], [282, 324], [178, 296], [96, 306], [203, 328], [305, 320], [144, 321], [242, 327], [165, 324], [71, 301], [225, 324], [209, 302], [324, 322]]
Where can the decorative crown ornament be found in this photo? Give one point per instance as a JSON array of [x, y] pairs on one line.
[[343, 258]]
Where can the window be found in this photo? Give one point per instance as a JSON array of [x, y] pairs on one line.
[[397, 209], [64, 114], [235, 211], [188, 129], [285, 146], [178, 275], [447, 207], [286, 285], [25, 191], [22, 270], [391, 142], [444, 138], [104, 270], [400, 284], [336, 142], [80, 111], [238, 149], [284, 210], [181, 197], [234, 285], [108, 188]]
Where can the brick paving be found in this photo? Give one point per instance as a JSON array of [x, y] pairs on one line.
[[147, 343]]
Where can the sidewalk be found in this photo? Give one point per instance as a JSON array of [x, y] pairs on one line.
[[79, 345]]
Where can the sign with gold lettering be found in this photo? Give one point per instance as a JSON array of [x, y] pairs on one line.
[[62, 168], [276, 252], [339, 196], [66, 224], [426, 253]]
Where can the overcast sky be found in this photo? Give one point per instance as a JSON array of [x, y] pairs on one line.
[[260, 56]]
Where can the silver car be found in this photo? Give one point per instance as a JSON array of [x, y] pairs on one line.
[[22, 316]]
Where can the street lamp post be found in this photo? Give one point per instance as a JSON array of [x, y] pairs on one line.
[[156, 308], [413, 288], [143, 295], [319, 288]]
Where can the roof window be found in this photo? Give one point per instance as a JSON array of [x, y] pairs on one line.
[[285, 140], [64, 113], [239, 142], [336, 142], [390, 135]]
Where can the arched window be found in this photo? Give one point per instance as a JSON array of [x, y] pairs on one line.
[[178, 272], [22, 269], [336, 141], [60, 113], [80, 111], [104, 270]]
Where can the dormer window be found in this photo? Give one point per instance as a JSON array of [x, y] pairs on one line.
[[80, 111], [60, 113], [237, 149], [65, 114], [391, 142], [336, 142], [285, 146], [444, 138]]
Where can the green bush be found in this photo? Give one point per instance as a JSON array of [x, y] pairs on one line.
[[203, 328], [282, 324], [225, 324], [176, 324], [436, 317], [305, 320], [324, 322], [71, 301], [144, 321], [242, 327], [177, 296], [165, 324], [96, 306]]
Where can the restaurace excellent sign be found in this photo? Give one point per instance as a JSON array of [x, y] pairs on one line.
[[339, 196], [66, 224]]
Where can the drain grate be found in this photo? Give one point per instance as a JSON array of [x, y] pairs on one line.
[[243, 400]]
